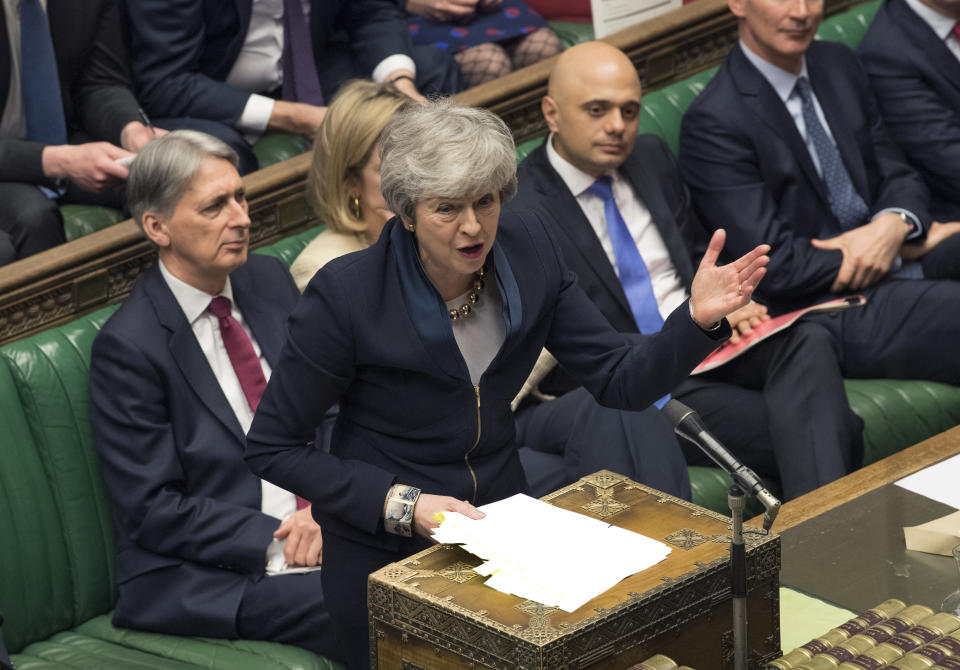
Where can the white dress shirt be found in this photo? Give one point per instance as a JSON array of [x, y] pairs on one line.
[[940, 24], [259, 67], [668, 288], [785, 85], [13, 123], [274, 501]]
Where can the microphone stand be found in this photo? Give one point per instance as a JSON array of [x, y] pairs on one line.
[[738, 577]]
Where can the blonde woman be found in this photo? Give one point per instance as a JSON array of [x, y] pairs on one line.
[[343, 185]]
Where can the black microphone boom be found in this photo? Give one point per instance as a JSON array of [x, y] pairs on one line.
[[688, 425]]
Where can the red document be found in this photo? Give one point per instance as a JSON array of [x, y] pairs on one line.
[[729, 350]]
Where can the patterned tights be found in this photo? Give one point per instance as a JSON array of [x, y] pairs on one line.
[[488, 61]]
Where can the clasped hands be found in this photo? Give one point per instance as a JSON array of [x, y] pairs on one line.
[[719, 291], [869, 250]]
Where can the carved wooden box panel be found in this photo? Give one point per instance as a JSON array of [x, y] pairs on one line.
[[432, 611]]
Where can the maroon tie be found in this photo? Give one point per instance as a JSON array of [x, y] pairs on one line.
[[956, 30], [244, 359]]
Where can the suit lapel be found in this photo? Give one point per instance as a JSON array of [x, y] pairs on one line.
[[650, 192], [187, 353], [565, 211], [768, 108], [830, 93], [260, 315], [922, 38]]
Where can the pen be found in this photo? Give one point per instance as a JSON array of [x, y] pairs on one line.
[[146, 121]]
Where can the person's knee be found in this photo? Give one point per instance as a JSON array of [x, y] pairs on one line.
[[8, 253], [33, 225]]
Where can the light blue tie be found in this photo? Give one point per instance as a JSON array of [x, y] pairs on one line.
[[39, 80], [634, 277], [845, 202]]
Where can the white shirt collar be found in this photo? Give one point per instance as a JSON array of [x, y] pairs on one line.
[[576, 179], [941, 25], [783, 82], [192, 301]]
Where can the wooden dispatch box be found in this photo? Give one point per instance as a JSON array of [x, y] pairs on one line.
[[433, 612]]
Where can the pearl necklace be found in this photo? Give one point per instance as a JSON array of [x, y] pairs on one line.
[[473, 297]]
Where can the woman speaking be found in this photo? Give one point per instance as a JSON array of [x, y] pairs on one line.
[[425, 337]]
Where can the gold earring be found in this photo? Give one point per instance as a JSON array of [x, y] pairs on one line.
[[412, 228], [355, 207]]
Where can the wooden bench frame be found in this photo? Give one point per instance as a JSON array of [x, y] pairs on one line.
[[58, 285]]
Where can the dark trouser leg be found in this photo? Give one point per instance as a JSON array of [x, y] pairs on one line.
[[437, 72], [288, 609], [30, 222], [640, 445], [545, 473], [228, 134], [790, 386], [907, 330], [346, 566]]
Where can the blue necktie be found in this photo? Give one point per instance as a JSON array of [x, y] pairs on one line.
[[634, 277], [845, 202], [39, 80]]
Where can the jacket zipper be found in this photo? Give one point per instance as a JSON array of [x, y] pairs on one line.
[[466, 456]]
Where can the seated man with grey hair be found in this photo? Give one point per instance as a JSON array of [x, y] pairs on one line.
[[204, 547]]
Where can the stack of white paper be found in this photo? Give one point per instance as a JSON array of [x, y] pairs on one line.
[[550, 555]]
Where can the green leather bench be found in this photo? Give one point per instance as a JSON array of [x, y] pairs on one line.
[[897, 413], [80, 220], [57, 581]]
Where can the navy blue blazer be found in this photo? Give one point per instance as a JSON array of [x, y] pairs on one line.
[[652, 171], [183, 51], [373, 333], [189, 530], [749, 170], [917, 82]]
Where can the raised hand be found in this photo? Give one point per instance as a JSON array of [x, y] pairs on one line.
[[719, 290]]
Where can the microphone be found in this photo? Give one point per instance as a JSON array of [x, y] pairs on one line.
[[688, 425]]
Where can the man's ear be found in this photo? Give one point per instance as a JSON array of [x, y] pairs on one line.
[[737, 7], [155, 229], [551, 112]]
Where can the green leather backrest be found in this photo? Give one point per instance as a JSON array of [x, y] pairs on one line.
[[57, 552], [287, 249], [850, 26], [56, 560], [664, 108]]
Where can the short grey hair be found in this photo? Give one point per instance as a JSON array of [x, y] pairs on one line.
[[442, 150], [162, 171]]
